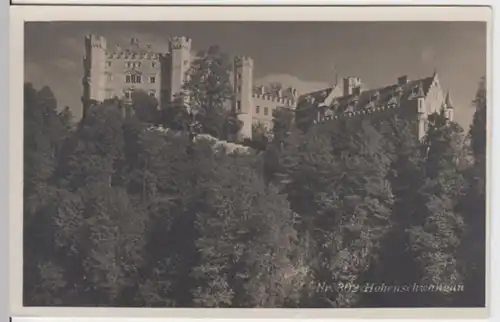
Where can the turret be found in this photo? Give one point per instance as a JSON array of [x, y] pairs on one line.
[[421, 111], [449, 107], [180, 50], [243, 103], [94, 81]]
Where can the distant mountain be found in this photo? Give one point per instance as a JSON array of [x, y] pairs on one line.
[[293, 81]]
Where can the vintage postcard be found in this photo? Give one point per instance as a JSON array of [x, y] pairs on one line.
[[296, 161]]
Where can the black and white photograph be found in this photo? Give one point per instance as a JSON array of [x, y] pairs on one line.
[[255, 164]]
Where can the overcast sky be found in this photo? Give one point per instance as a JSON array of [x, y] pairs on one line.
[[378, 52]]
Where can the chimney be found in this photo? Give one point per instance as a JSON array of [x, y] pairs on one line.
[[350, 83], [403, 80]]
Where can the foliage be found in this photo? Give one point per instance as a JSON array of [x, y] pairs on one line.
[[121, 212], [208, 93], [343, 201], [473, 205], [437, 225]]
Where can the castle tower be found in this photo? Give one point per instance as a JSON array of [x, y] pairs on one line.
[[243, 88], [94, 64], [449, 107], [421, 112], [180, 50]]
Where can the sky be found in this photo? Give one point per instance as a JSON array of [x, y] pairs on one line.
[[307, 55]]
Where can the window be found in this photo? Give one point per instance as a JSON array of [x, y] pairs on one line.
[[152, 79], [127, 94], [109, 77], [238, 106], [134, 79], [138, 64], [152, 93], [153, 64], [239, 76], [266, 110], [108, 64], [257, 109], [128, 64]]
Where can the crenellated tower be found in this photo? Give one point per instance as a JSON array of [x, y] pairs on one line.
[[180, 51], [94, 65], [243, 91]]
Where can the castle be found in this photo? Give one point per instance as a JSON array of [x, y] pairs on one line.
[[120, 72], [414, 100]]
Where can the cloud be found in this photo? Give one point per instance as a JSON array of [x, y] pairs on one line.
[[289, 80]]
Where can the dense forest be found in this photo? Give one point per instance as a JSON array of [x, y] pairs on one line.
[[117, 213]]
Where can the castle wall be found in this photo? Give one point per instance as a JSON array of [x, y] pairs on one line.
[[263, 109], [125, 73]]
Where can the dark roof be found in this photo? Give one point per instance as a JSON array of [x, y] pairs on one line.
[[319, 96], [359, 102]]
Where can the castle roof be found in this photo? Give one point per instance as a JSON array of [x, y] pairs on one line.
[[382, 96]]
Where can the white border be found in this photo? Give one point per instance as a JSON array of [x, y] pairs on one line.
[[19, 14]]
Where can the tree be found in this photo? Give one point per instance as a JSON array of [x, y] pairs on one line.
[[437, 225], [99, 229], [44, 132], [175, 116], [260, 137], [145, 107], [246, 239], [343, 203], [283, 119], [473, 205], [397, 265], [210, 93]]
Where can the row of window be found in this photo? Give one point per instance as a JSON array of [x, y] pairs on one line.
[[257, 108], [266, 110], [137, 79], [130, 64]]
